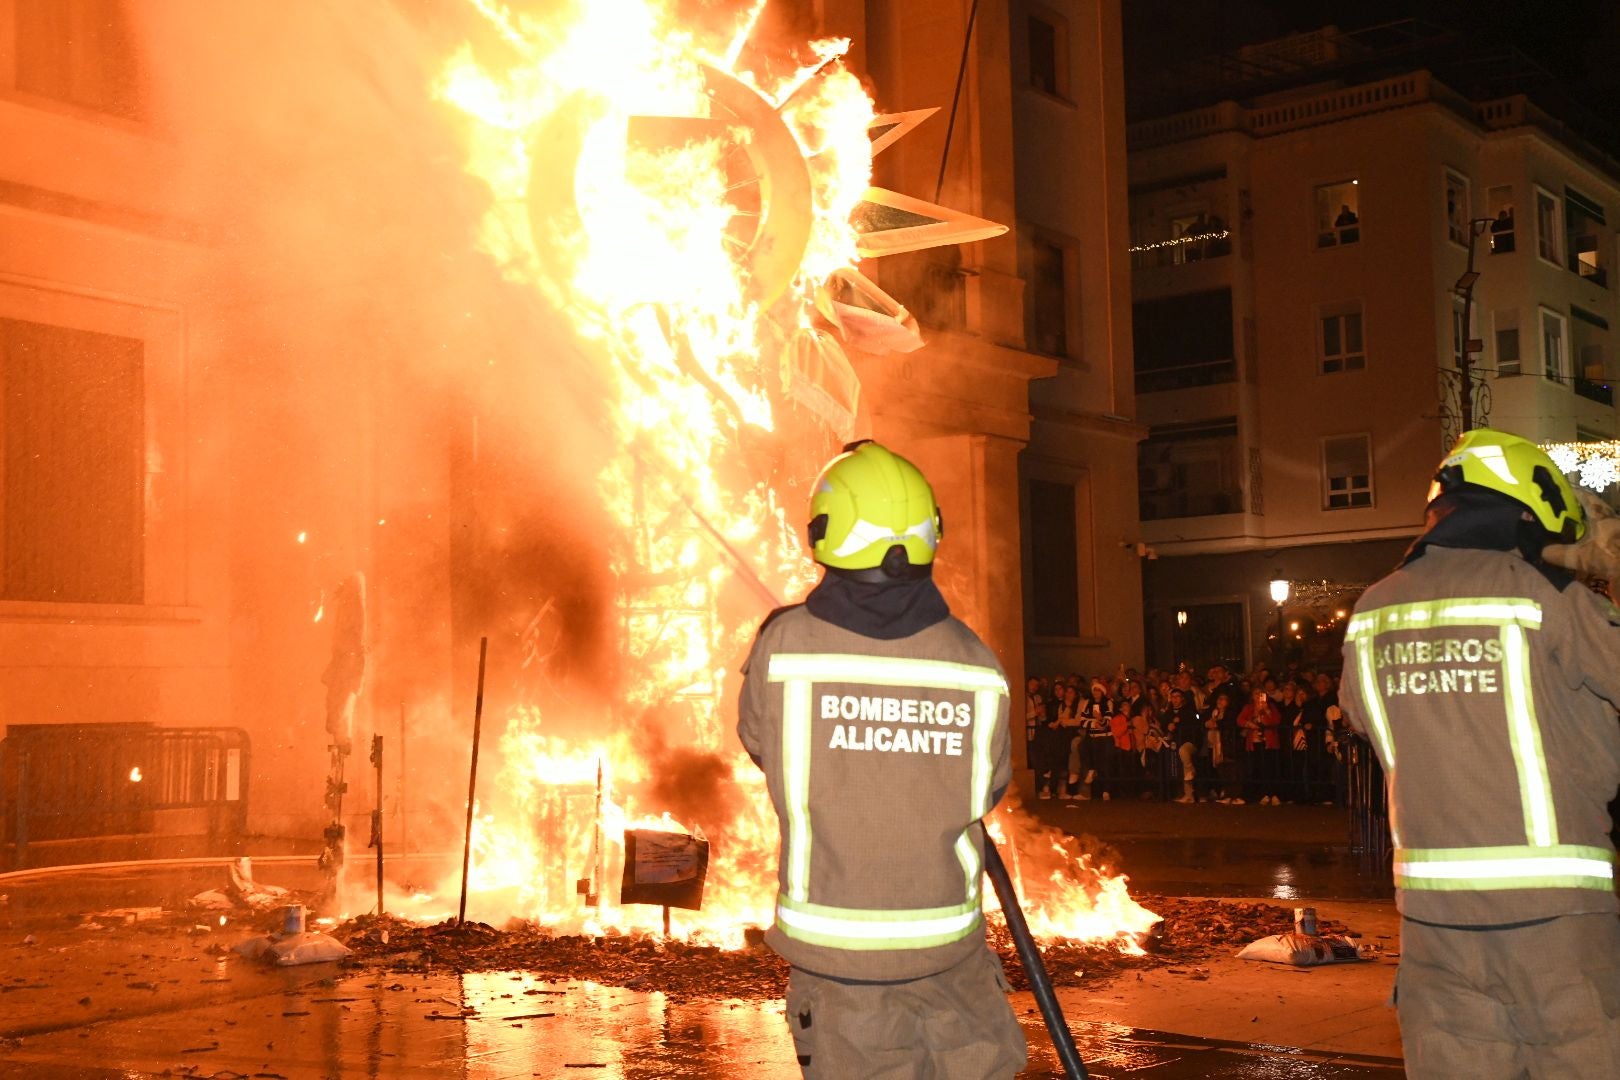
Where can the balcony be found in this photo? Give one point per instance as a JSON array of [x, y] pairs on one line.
[[1186, 376], [1593, 390], [1182, 250]]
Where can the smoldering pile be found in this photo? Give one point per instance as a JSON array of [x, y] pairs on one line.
[[1192, 932]]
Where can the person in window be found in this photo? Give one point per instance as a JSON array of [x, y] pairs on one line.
[[1347, 224], [1502, 231]]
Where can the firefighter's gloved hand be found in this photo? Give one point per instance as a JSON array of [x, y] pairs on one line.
[[1598, 552]]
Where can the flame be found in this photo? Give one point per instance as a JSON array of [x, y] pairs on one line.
[[646, 180]]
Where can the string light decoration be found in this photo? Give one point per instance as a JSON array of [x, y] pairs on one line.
[[1191, 238], [1593, 465]]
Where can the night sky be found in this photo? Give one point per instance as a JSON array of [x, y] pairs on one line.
[[1576, 41]]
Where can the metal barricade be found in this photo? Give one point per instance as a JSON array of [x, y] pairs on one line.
[[1368, 800], [87, 781]]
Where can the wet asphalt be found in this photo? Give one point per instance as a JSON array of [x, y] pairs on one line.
[[208, 1017]]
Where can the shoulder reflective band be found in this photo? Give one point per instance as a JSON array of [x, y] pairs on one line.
[[796, 750], [967, 853], [1372, 696], [1535, 786], [1461, 611], [884, 671], [1493, 869], [871, 931]]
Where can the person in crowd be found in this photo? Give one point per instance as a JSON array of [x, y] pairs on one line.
[[1184, 733], [1049, 756], [1313, 725], [1260, 722], [1191, 691], [1221, 748], [1097, 713], [1130, 737], [1221, 682], [1291, 770], [1035, 712], [1070, 735]]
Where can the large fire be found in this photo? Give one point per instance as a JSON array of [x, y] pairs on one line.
[[695, 215]]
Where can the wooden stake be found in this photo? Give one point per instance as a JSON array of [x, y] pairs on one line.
[[472, 777], [377, 817]]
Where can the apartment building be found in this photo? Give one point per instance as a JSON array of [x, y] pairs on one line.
[[1301, 272]]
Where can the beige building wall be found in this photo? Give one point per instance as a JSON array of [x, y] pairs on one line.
[[1422, 162], [1069, 147], [90, 244]]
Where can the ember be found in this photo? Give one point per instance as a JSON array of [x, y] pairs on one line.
[[1192, 931]]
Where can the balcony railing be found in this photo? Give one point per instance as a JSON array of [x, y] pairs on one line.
[[1184, 376], [1592, 390]]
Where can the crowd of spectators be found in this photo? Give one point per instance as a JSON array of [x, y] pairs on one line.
[[1260, 738]]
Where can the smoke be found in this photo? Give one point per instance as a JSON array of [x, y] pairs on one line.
[[695, 785], [363, 379]]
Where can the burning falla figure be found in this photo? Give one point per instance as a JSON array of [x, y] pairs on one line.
[[881, 724]]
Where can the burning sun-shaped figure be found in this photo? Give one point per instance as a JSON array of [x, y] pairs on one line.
[[700, 221]]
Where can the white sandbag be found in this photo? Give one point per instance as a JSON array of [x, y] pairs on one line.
[[1301, 950], [307, 948]]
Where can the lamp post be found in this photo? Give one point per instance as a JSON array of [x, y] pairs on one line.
[[1468, 346], [1280, 588]]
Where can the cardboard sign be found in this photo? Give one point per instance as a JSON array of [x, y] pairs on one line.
[[664, 868]]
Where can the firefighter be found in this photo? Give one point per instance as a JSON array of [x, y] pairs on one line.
[[881, 723], [1486, 679]]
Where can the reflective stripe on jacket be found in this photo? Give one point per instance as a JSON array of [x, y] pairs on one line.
[[1486, 693], [880, 757]]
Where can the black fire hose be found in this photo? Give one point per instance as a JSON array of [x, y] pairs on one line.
[[1039, 982]]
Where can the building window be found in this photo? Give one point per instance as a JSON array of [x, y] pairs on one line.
[[79, 52], [1458, 208], [71, 499], [1338, 213], [1054, 559], [1183, 341], [1589, 351], [1049, 54], [1507, 342], [1554, 346], [1190, 470], [1347, 472], [1584, 226], [1499, 206], [1549, 227], [1340, 339], [1049, 297]]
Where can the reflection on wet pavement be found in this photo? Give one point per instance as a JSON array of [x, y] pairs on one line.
[[507, 1024], [1201, 866]]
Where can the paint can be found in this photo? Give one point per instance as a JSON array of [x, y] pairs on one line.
[[293, 919], [1305, 921]]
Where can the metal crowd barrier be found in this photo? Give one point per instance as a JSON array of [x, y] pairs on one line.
[[88, 781], [1368, 801]]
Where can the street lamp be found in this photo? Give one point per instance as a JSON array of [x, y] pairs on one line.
[[1280, 588], [1468, 346]]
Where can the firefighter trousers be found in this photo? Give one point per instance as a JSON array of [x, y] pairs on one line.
[[956, 1025], [1537, 1001]]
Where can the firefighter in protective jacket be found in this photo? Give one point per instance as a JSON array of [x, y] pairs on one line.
[[881, 723], [1486, 680]]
